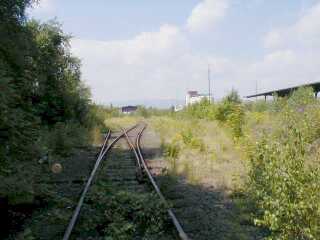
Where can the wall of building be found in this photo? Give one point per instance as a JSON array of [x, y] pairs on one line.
[[195, 98]]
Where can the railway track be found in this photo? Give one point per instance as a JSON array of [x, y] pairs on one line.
[[124, 174]]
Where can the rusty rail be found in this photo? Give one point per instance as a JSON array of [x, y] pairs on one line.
[[139, 156], [138, 161], [105, 148]]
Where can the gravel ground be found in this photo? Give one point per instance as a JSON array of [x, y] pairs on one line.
[[205, 212], [63, 190]]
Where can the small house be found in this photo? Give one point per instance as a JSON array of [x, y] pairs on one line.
[[129, 109]]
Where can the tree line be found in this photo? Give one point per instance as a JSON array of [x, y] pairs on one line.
[[41, 92]]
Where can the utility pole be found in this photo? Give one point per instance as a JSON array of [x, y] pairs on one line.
[[209, 81], [256, 89]]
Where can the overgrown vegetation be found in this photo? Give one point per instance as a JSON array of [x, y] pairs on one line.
[[280, 139], [229, 112], [125, 215], [285, 173], [200, 150], [45, 109]]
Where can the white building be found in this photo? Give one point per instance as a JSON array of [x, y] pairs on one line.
[[178, 108], [194, 97]]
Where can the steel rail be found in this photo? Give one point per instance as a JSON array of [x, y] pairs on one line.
[[88, 184], [104, 143], [132, 148], [174, 219]]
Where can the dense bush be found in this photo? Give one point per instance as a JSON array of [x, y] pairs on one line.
[[232, 114], [40, 91], [202, 110], [63, 137], [229, 111], [130, 215], [124, 215], [283, 183], [258, 106]]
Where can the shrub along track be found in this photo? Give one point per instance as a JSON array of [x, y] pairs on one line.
[[123, 174]]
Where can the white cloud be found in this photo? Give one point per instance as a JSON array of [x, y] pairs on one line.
[[163, 64], [280, 69], [305, 32], [293, 53], [152, 65], [206, 15], [273, 39]]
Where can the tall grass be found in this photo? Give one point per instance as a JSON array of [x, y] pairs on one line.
[[271, 152], [201, 151], [284, 184]]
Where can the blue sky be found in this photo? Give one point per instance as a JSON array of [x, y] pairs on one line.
[[147, 50]]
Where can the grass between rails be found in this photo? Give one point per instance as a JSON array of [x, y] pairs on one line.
[[264, 155], [109, 212], [118, 207], [213, 169], [261, 161]]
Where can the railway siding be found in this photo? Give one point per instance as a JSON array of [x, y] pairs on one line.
[[115, 195]]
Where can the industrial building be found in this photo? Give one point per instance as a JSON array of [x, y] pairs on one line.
[[193, 97], [129, 109]]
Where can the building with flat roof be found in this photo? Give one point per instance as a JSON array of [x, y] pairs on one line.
[[193, 97], [129, 109], [287, 91]]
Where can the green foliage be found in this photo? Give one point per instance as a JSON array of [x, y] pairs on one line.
[[258, 106], [17, 120], [145, 112], [126, 215], [191, 141], [301, 98], [202, 110], [235, 120], [233, 97], [302, 111], [284, 185], [228, 111], [99, 113], [286, 190], [231, 111], [59, 95], [172, 150], [64, 137], [227, 106], [131, 215], [40, 91]]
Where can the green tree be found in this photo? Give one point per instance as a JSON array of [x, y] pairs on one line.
[[60, 95], [40, 89]]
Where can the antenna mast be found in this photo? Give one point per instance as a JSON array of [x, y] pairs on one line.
[[256, 89], [209, 81]]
